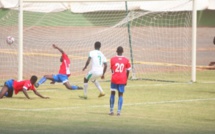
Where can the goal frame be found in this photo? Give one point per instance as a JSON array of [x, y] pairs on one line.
[[20, 25]]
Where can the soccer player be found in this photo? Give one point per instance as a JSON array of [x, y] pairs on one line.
[[99, 66], [63, 74], [17, 86], [120, 67]]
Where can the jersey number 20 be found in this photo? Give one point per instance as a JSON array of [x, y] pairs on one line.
[[119, 67]]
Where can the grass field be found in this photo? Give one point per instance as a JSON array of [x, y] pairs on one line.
[[149, 108]]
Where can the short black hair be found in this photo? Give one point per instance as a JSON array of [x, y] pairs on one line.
[[119, 49], [33, 79], [97, 45]]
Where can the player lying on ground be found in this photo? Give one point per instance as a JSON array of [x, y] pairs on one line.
[[120, 67], [17, 86], [63, 74], [99, 66]]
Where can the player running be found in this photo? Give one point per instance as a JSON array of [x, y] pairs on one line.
[[99, 66], [120, 67], [63, 74], [17, 86]]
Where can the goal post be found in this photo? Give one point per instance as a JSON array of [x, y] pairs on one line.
[[158, 43], [20, 46], [194, 38]]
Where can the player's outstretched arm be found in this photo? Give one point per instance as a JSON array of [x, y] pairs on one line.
[[56, 47], [38, 94], [25, 93]]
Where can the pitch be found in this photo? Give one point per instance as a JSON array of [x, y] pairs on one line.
[[149, 107]]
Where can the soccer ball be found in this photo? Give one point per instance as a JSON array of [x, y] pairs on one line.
[[10, 40]]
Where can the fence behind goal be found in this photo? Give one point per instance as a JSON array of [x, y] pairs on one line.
[[158, 43]]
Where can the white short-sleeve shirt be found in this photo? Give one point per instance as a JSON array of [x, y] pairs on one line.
[[98, 59]]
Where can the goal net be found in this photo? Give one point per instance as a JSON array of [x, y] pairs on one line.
[[156, 40]]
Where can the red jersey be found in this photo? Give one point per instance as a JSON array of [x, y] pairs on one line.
[[119, 67], [20, 85], [64, 67]]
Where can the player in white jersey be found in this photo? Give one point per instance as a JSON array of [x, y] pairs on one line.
[[99, 66]]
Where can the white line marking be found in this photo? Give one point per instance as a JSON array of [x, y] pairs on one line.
[[97, 106]]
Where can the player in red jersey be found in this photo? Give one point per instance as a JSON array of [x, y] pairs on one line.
[[120, 67], [11, 86], [63, 74]]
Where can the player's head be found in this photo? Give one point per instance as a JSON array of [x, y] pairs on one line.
[[119, 50], [97, 45], [33, 79]]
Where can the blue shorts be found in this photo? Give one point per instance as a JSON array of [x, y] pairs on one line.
[[60, 78], [119, 87], [9, 84]]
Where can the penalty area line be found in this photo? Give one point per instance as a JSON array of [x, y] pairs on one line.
[[99, 106]]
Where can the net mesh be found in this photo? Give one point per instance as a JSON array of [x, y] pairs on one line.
[[158, 44]]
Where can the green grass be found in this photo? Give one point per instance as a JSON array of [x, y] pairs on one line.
[[149, 108], [10, 17]]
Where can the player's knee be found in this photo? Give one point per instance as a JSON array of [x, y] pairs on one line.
[[120, 94], [113, 92]]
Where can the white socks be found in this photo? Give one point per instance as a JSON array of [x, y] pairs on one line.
[[85, 89], [98, 86]]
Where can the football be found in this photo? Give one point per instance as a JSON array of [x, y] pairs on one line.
[[10, 40]]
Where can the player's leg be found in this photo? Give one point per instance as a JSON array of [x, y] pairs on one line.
[[95, 76], [7, 89], [95, 81], [120, 99], [113, 89], [86, 79], [120, 102], [10, 93], [72, 87], [43, 80], [64, 79], [3, 91]]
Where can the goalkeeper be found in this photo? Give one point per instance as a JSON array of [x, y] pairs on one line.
[[63, 74]]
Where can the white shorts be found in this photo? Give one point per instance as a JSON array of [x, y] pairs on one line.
[[93, 75]]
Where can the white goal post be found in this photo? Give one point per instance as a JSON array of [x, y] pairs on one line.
[[154, 33]]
